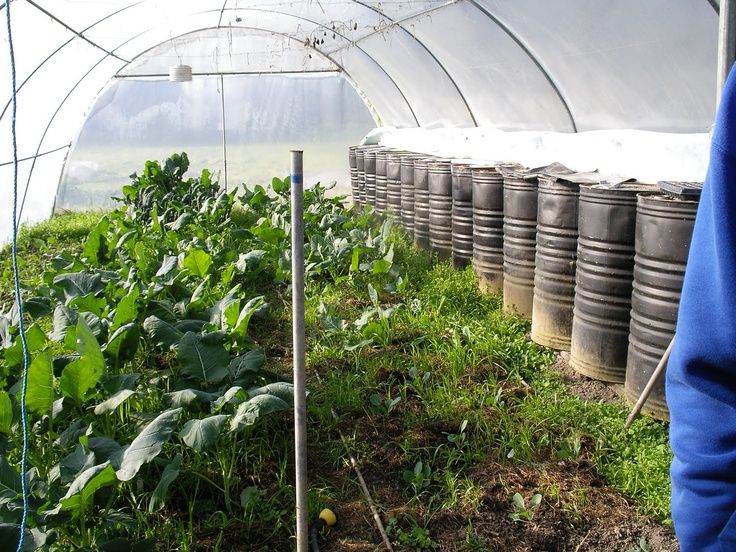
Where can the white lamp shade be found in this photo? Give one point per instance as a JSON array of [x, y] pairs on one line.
[[180, 73]]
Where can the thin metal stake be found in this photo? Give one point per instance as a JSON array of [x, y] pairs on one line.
[[300, 395], [653, 379], [224, 133]]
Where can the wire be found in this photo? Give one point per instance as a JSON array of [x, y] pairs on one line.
[[18, 302]]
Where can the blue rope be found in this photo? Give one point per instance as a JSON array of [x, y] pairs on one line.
[[18, 301]]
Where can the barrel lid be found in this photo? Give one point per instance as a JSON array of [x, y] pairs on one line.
[[681, 190], [627, 186], [524, 173]]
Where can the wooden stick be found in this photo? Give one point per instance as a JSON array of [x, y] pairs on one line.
[[653, 379]]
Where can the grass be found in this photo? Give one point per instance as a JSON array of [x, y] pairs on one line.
[[448, 381], [451, 355]]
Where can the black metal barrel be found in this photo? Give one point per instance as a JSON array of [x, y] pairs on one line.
[[381, 182], [440, 207], [354, 188], [554, 271], [462, 214], [488, 227], [393, 184], [603, 279], [360, 167], [370, 176], [519, 240], [664, 227], [421, 202], [407, 193]]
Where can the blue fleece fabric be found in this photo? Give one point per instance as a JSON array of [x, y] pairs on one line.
[[701, 373]]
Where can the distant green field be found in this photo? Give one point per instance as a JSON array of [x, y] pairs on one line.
[[95, 174]]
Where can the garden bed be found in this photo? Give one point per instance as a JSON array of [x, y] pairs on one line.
[[467, 437]]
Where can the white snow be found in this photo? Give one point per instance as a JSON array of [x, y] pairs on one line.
[[646, 156]]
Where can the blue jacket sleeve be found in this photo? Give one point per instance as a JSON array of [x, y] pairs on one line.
[[701, 373]]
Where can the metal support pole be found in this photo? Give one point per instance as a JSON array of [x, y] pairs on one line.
[[726, 42], [224, 138], [300, 395]]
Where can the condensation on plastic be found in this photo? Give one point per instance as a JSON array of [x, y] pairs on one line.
[[264, 119], [229, 50]]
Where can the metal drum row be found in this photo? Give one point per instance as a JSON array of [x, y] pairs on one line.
[[596, 267]]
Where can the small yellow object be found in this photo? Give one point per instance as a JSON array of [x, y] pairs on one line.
[[328, 516]]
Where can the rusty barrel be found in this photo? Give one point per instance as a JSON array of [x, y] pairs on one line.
[[603, 279], [369, 156], [393, 184], [381, 182], [421, 202], [554, 262], [519, 241], [488, 227], [407, 193], [462, 214], [439, 176], [664, 227]]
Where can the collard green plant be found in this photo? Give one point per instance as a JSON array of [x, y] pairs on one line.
[[149, 371]]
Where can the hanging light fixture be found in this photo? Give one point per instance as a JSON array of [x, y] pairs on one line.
[[180, 73]]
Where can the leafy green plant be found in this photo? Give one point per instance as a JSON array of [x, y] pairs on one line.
[[523, 511], [384, 405], [419, 478], [415, 537]]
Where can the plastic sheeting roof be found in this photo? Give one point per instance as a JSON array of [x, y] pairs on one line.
[[566, 65]]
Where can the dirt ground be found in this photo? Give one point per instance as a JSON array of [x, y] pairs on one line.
[[578, 512]]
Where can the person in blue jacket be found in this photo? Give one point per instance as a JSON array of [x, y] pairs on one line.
[[701, 372]]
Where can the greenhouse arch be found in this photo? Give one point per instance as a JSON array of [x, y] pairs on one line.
[[514, 66]]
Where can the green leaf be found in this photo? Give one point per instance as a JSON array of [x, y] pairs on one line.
[[170, 473], [281, 186], [75, 463], [89, 303], [203, 361], [6, 412], [35, 338], [37, 307], [148, 444], [198, 262], [181, 222], [10, 486], [202, 434], [83, 488], [64, 319], [113, 402], [245, 368], [123, 343], [79, 284], [185, 397], [373, 295], [249, 261], [248, 412], [280, 389], [83, 374], [169, 263], [381, 266], [40, 390], [241, 325], [95, 248], [234, 395], [106, 449], [162, 334], [127, 310]]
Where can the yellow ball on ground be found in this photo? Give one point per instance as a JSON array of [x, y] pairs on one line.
[[328, 516]]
